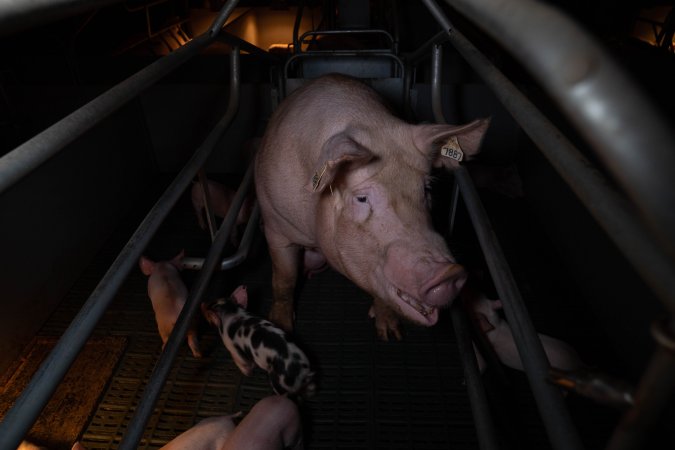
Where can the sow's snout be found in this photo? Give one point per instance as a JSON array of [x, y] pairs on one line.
[[423, 282], [443, 288]]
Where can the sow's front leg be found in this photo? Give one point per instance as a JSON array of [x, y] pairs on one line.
[[285, 264], [386, 320]]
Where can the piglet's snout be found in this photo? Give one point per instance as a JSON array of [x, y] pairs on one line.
[[444, 287]]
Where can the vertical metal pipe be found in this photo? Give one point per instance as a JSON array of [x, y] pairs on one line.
[[555, 416], [160, 373], [35, 396], [482, 419], [210, 216], [483, 422], [436, 97]]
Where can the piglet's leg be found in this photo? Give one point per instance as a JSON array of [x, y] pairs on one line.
[[285, 263], [193, 343], [386, 320], [273, 423]]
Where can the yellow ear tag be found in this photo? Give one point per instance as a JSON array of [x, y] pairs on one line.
[[451, 149], [316, 179]]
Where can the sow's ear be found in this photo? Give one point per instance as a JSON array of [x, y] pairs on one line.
[[448, 145], [338, 151]]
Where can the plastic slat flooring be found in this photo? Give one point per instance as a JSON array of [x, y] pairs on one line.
[[371, 394]]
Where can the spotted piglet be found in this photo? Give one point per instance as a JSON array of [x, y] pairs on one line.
[[253, 341]]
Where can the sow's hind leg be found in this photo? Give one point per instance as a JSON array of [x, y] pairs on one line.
[[285, 264]]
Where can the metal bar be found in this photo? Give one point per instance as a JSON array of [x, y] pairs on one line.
[[396, 59], [241, 253], [482, 419], [610, 211], [486, 349], [28, 406], [436, 98], [18, 15], [653, 395], [210, 217], [217, 25], [633, 141], [247, 47], [423, 51], [296, 26], [554, 414], [37, 150], [156, 382], [348, 32]]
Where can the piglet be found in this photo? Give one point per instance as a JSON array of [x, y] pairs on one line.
[[484, 313], [253, 341], [220, 200], [168, 294]]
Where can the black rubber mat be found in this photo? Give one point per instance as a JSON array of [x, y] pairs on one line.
[[371, 394]]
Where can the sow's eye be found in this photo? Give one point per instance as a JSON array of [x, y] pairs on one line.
[[361, 207]]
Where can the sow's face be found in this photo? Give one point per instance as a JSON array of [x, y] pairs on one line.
[[374, 223]]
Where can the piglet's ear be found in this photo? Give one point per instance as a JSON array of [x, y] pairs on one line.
[[339, 151], [177, 260], [240, 296], [147, 266], [448, 145], [210, 315]]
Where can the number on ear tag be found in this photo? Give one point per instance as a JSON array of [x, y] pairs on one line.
[[451, 149]]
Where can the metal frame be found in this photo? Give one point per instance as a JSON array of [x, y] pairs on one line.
[[584, 82], [566, 62], [15, 165]]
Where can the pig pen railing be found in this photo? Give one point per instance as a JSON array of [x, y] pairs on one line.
[[30, 155], [612, 116]]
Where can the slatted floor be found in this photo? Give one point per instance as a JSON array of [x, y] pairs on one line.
[[372, 394]]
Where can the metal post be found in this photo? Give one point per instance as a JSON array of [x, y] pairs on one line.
[[554, 414], [35, 396], [482, 419]]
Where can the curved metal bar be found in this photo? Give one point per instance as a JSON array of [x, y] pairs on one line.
[[634, 143], [35, 396], [160, 373], [238, 257], [17, 15], [342, 53], [348, 32]]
